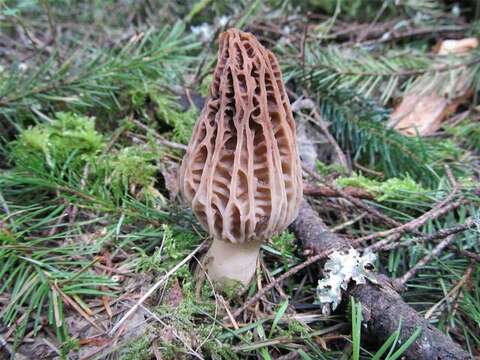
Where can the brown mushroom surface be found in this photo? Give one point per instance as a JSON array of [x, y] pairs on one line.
[[241, 173]]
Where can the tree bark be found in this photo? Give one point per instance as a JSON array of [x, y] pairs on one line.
[[382, 306]]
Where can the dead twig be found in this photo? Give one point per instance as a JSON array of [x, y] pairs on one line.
[[469, 223], [4, 345], [443, 207], [391, 36], [229, 313], [305, 214], [394, 234], [269, 277], [469, 254], [433, 69], [400, 282], [349, 222]]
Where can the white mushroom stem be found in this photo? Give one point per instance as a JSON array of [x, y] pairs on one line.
[[227, 263]]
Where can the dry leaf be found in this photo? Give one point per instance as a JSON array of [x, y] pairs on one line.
[[457, 46], [424, 108], [422, 114]]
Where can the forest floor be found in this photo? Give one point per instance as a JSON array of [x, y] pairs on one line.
[[97, 250]]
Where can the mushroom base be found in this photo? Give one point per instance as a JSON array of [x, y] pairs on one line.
[[227, 263]]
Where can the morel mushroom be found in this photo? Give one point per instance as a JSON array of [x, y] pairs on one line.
[[241, 173]]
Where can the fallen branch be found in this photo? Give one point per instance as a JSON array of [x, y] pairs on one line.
[[383, 308]]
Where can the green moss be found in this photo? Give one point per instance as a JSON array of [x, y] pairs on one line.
[[170, 351], [446, 150], [176, 244], [183, 125], [391, 189], [134, 165], [68, 345], [63, 147], [187, 318], [284, 242], [138, 349], [148, 263], [297, 328], [167, 109], [68, 139], [219, 350], [294, 328], [232, 288]]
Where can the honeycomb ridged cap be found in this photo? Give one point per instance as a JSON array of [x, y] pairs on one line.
[[241, 173]]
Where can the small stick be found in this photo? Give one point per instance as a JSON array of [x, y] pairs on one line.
[[51, 346], [456, 303], [71, 209], [152, 290], [348, 222], [383, 305], [392, 35], [229, 313], [4, 344], [441, 234], [438, 210], [175, 333], [269, 277], [469, 223], [469, 254], [400, 282], [410, 226]]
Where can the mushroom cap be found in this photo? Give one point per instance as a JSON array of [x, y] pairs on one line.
[[241, 172]]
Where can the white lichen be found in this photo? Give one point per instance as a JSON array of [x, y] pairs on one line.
[[339, 270]]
